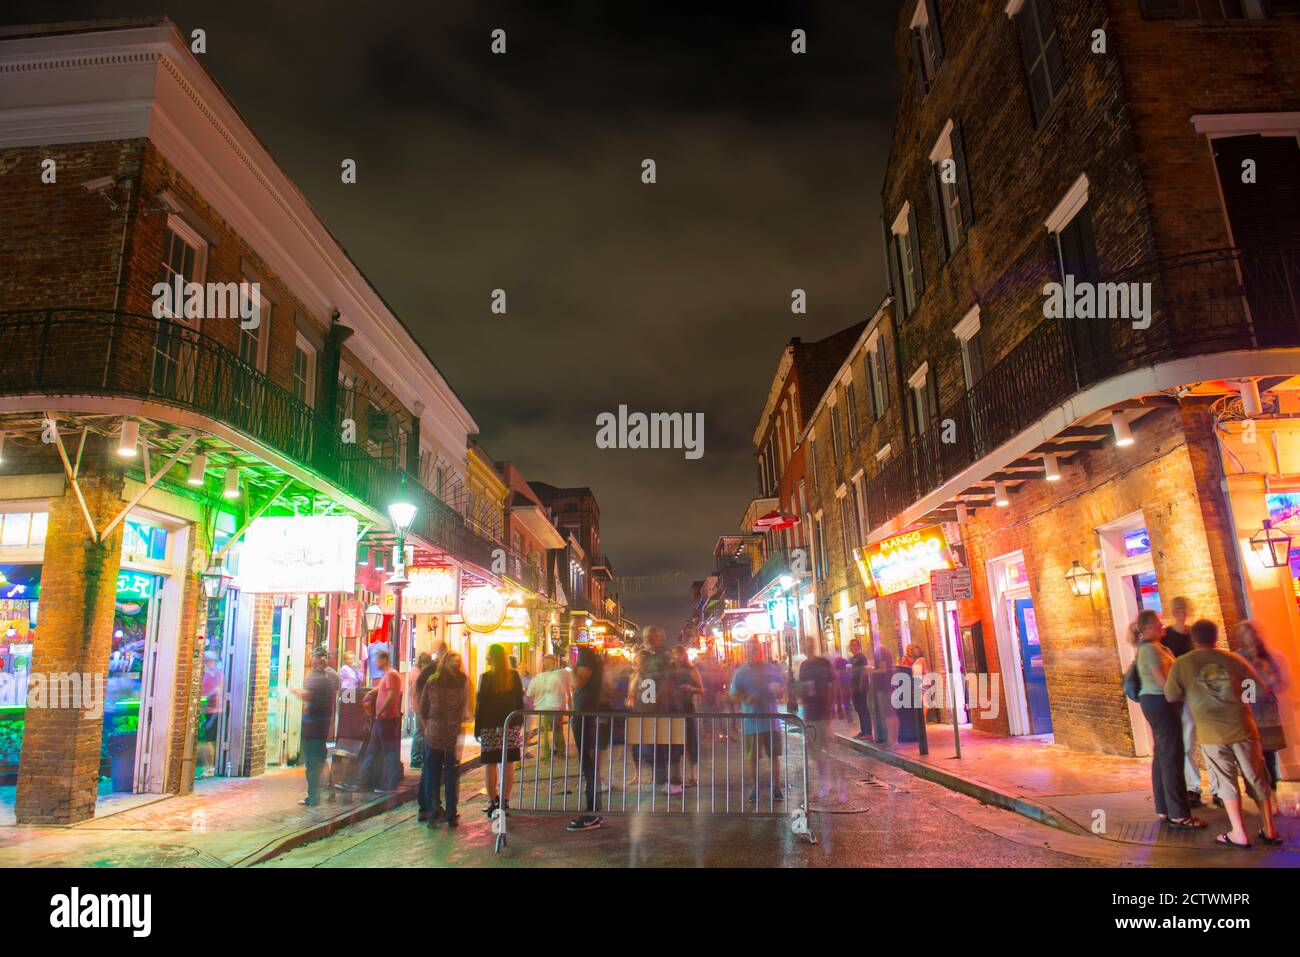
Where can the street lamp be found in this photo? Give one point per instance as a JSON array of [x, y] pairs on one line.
[[1080, 580], [1272, 545], [216, 581], [374, 617]]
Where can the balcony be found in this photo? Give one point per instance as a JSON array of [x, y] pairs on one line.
[[1202, 304], [97, 352], [780, 561]]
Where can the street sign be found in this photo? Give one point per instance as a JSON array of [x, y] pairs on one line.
[[951, 584]]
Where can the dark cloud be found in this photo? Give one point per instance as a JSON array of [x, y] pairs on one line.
[[522, 172]]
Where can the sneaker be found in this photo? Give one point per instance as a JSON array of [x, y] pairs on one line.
[[584, 824], [422, 816], [308, 802], [491, 806], [673, 789], [453, 821]]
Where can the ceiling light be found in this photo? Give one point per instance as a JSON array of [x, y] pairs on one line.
[[198, 469], [126, 445], [232, 483], [1123, 434], [1000, 494], [1053, 470]]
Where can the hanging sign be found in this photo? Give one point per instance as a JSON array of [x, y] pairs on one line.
[[294, 555], [904, 561], [483, 608], [350, 619], [951, 584], [516, 628], [432, 591]]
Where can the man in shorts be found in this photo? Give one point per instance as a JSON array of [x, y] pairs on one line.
[[758, 687], [1217, 686]]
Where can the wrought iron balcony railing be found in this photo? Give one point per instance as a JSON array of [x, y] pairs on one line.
[[1201, 303], [780, 561], [98, 352]]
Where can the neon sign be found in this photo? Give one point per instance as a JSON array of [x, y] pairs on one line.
[[904, 561], [134, 585]]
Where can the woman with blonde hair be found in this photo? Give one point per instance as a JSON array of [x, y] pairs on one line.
[[1249, 643], [500, 691]]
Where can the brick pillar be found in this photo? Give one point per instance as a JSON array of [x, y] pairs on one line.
[[179, 776], [59, 770], [263, 622]]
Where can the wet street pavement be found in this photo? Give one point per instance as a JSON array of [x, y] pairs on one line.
[[887, 819]]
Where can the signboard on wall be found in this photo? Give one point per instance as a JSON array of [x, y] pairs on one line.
[[483, 608], [951, 584], [433, 590], [350, 619], [287, 555], [903, 561]]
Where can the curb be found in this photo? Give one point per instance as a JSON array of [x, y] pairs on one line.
[[320, 829], [981, 792]]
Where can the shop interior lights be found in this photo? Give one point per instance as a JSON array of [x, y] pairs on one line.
[[1123, 434], [198, 469], [1000, 494], [1080, 580], [232, 483], [1053, 470], [1272, 545], [126, 445]]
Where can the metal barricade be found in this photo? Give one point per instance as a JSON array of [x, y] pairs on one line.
[[625, 762]]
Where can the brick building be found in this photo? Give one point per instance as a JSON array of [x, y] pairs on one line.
[[1083, 464], [142, 450], [778, 587]]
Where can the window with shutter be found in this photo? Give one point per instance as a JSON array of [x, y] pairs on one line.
[[927, 45], [1040, 50]]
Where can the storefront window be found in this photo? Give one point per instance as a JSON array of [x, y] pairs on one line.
[[21, 529], [20, 585], [142, 542]]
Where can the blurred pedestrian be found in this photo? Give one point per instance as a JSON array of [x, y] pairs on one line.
[[1265, 706], [349, 675], [817, 691], [650, 693], [881, 684], [688, 688], [1154, 662], [415, 679], [1216, 683], [1178, 640], [500, 691], [757, 687], [588, 697], [385, 732], [859, 689], [443, 702], [318, 695], [550, 692]]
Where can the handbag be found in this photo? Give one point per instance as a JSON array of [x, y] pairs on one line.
[[1132, 683]]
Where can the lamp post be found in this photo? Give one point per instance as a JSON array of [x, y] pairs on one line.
[[402, 513]]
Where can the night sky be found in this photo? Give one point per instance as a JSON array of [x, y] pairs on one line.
[[523, 172]]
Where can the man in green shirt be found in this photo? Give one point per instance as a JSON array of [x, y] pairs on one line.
[[1217, 686]]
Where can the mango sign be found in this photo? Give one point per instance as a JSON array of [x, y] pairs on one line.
[[904, 561]]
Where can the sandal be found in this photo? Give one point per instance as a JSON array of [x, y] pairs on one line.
[[1226, 841], [1269, 840], [1187, 823]]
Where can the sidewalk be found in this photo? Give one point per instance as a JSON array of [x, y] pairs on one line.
[[1102, 795], [226, 822]]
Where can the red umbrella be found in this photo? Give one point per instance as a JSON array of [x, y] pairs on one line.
[[775, 521]]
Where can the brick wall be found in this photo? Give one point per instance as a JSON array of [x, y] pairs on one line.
[[1176, 70], [59, 769], [1055, 524], [259, 683]]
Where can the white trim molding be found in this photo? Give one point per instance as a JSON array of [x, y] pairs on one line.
[[1074, 200], [969, 325], [1234, 124]]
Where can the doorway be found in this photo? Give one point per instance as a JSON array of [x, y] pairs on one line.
[[1020, 652], [283, 707], [1132, 586]]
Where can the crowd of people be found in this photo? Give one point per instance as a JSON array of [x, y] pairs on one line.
[[1198, 699], [1192, 693]]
